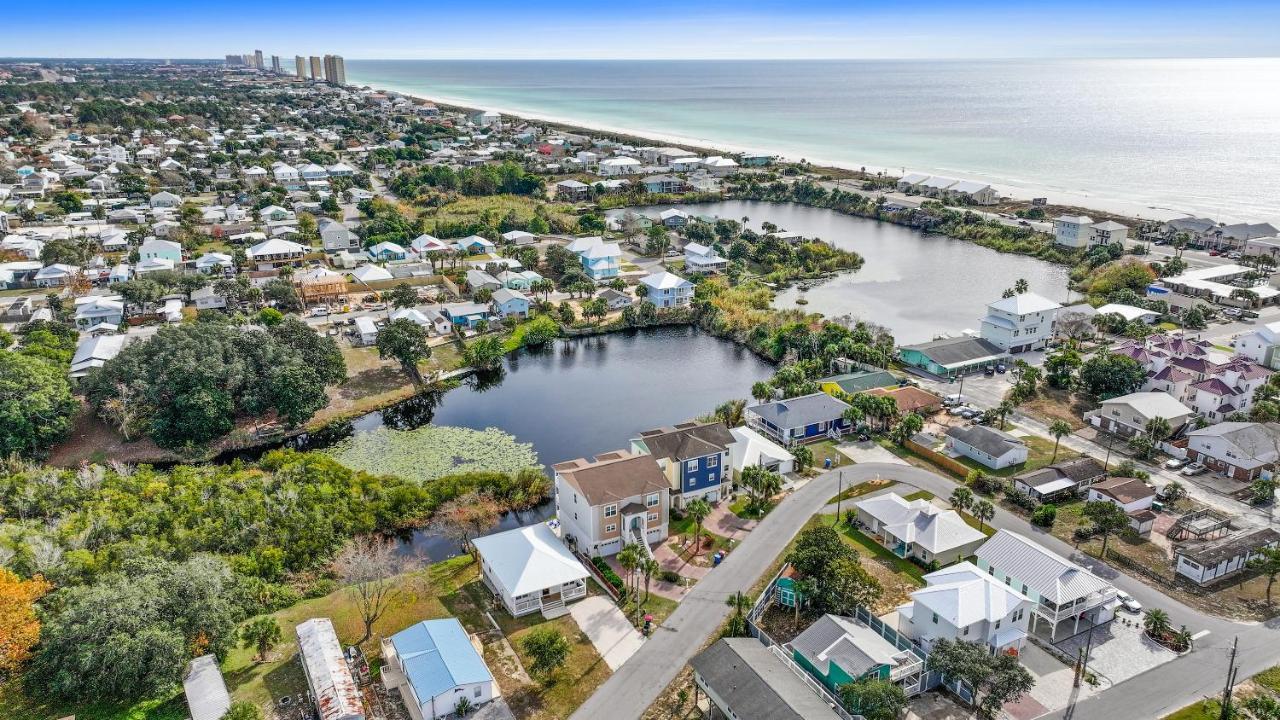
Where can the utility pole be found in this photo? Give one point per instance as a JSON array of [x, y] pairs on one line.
[[839, 493], [1225, 713]]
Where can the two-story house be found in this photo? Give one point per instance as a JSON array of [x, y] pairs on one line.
[[619, 498], [602, 262], [1061, 591], [1241, 450], [667, 290], [693, 456], [1128, 415], [699, 258], [800, 419], [1020, 322], [964, 603], [337, 237]]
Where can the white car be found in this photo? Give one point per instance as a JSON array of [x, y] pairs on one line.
[[320, 311], [1128, 603], [1174, 464], [1234, 256], [1194, 469]]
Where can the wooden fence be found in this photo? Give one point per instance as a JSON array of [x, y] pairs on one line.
[[951, 465]]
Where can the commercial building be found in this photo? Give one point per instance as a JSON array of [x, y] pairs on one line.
[[335, 71], [317, 71]]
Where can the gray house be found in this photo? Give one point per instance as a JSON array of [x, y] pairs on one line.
[[800, 419], [747, 681], [994, 448], [336, 237]]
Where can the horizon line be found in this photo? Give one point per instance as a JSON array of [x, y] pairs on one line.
[[958, 58]]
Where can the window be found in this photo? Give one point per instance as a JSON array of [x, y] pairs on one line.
[[691, 466], [575, 498], [651, 500], [477, 693], [935, 618], [610, 510], [610, 528], [653, 517], [713, 461], [966, 631], [997, 626], [1024, 588]]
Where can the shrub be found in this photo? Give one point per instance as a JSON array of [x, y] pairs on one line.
[[987, 485], [609, 575], [1044, 516], [670, 576], [1021, 499], [1082, 533]]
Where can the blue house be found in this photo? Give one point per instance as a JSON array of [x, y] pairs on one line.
[[474, 245], [435, 665], [510, 304], [601, 262], [693, 456], [800, 419], [465, 314]]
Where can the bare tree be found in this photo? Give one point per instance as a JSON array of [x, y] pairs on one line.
[[368, 566], [465, 517]]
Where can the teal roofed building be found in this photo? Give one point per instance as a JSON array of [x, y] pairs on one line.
[[840, 650], [436, 666]]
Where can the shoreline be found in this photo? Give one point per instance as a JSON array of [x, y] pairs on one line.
[[1013, 189]]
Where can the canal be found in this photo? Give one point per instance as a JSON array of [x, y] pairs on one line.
[[917, 285], [582, 397]]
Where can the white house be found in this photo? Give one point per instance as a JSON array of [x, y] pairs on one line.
[[1061, 590], [435, 664], [619, 166], [994, 448], [328, 675], [1129, 312], [1241, 450], [1131, 495], [750, 449], [93, 352], [699, 258], [96, 310], [214, 262], [205, 690], [1128, 414], [964, 603], [55, 275], [918, 529], [1073, 231], [165, 199], [667, 290], [275, 251], [1260, 345], [531, 570], [1020, 322], [1210, 561]]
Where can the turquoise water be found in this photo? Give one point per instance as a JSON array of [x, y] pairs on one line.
[[1190, 135]]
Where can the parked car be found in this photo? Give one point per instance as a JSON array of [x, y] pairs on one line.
[[1194, 469], [320, 311], [970, 413], [989, 371], [957, 410], [1000, 368], [1174, 464], [1232, 312], [955, 399], [1128, 603], [1214, 253]]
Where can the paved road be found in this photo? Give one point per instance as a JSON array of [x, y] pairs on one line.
[[1152, 695], [634, 687]]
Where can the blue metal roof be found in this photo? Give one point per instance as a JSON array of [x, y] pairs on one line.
[[438, 656]]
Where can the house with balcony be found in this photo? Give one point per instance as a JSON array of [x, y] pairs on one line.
[[667, 290], [962, 602], [275, 252], [1062, 592], [619, 498], [800, 419], [918, 529], [841, 650], [530, 570], [97, 310], [694, 457], [602, 261], [699, 258], [1020, 322]]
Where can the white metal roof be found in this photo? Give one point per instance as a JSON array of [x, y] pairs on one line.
[[336, 695], [962, 595], [528, 559], [1050, 575]]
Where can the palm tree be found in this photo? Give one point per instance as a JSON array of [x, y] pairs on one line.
[[1058, 429], [962, 498], [629, 559], [801, 587], [1003, 410], [697, 510], [1158, 429], [1157, 623], [1021, 286], [762, 391], [983, 510], [1182, 639], [648, 566], [738, 621]]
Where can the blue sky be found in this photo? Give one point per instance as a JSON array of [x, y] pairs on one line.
[[654, 29]]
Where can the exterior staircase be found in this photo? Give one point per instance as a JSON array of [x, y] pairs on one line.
[[637, 537], [554, 608]]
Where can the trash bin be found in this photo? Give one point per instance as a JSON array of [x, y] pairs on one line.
[[826, 464]]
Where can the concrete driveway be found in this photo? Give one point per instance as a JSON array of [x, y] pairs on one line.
[[1120, 649], [614, 637], [868, 452]]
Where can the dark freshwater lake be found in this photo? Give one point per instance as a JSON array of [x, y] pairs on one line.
[[582, 397]]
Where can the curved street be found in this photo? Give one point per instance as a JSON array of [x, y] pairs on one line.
[[1200, 673]]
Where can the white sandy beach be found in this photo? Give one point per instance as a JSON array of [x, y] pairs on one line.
[[1020, 190]]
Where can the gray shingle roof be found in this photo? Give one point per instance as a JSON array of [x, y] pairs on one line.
[[756, 684], [989, 440], [801, 411], [957, 351]]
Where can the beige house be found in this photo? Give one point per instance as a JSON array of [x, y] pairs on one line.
[[618, 499]]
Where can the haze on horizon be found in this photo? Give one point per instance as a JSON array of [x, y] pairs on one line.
[[660, 29]]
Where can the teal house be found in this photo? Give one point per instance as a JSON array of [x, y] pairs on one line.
[[952, 357], [785, 592], [840, 650]]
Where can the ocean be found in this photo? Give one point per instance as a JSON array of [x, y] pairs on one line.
[[1156, 138]]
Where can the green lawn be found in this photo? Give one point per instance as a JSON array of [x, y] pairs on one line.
[[1039, 454], [872, 548], [826, 450], [919, 495], [1203, 710], [1269, 678], [743, 508], [861, 489]]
